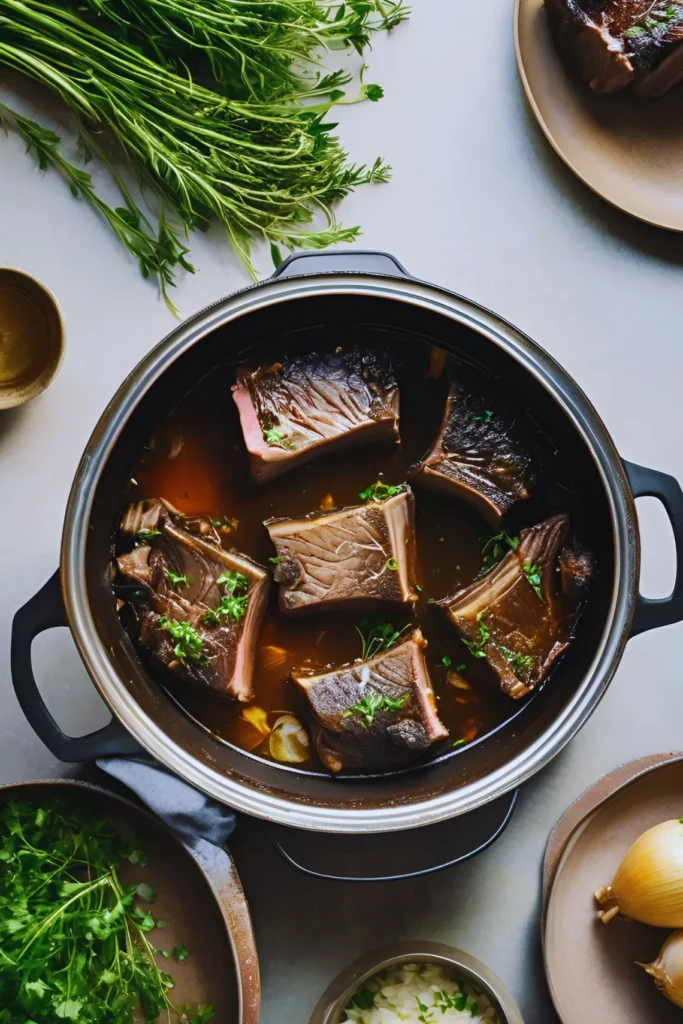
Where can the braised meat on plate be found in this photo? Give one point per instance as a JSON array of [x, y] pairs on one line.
[[613, 45]]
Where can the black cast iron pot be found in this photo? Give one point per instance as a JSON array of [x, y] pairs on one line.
[[310, 290]]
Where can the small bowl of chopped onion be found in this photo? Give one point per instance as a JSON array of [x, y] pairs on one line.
[[417, 983]]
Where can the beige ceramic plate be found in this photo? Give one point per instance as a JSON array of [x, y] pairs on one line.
[[629, 152], [591, 968]]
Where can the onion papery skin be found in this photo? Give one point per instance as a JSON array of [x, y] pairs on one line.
[[648, 884], [667, 969]]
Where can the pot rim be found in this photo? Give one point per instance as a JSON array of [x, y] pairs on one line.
[[547, 372]]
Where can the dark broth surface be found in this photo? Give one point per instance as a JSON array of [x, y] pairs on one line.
[[197, 461]]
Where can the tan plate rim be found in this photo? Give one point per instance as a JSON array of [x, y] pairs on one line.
[[624, 207], [576, 815]]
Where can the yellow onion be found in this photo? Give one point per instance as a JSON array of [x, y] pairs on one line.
[[289, 741], [648, 885], [667, 969]]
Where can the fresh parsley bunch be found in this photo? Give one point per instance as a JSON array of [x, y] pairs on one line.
[[74, 940]]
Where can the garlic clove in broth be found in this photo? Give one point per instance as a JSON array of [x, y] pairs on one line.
[[289, 741], [667, 969], [648, 884]]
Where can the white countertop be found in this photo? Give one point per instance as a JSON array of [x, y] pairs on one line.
[[480, 204]]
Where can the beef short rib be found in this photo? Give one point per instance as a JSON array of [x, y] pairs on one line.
[[361, 556], [520, 614], [375, 714], [309, 405], [616, 44], [476, 456], [202, 607]]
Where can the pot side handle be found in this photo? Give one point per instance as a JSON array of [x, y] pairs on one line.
[[43, 611], [354, 261], [650, 613]]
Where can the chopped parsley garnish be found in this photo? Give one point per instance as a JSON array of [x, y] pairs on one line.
[[176, 579], [181, 952], [190, 644], [274, 435], [392, 564], [380, 491], [377, 635], [147, 536], [486, 416], [476, 647], [446, 661], [225, 524], [233, 608], [75, 943], [458, 743], [496, 548], [518, 662], [367, 707], [533, 575], [657, 21], [233, 604], [458, 1001], [234, 582], [418, 587], [363, 1000], [276, 559]]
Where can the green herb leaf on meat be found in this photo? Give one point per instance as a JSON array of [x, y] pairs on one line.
[[176, 579], [476, 648], [496, 547], [147, 536], [190, 644], [533, 575], [276, 436], [381, 491], [521, 664], [369, 705], [233, 604]]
